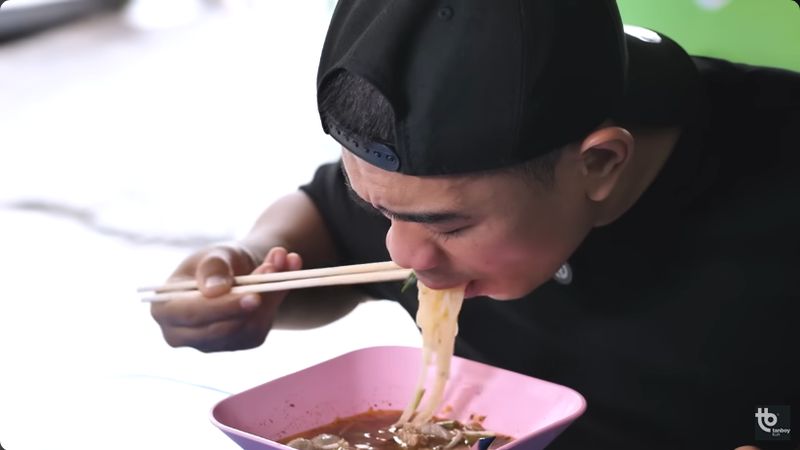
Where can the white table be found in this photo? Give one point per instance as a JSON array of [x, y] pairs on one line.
[[106, 135]]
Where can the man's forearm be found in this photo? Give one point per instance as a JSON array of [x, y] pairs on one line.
[[293, 222]]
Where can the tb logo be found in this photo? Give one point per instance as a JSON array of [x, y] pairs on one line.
[[773, 423], [766, 420]]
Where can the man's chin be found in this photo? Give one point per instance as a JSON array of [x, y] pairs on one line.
[[504, 297], [474, 289]]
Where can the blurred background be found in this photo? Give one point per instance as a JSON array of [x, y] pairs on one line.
[[131, 133]]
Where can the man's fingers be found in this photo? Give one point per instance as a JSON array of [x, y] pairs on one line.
[[273, 262], [277, 260], [277, 256], [215, 279], [294, 261], [250, 302], [197, 313], [214, 273], [212, 337]]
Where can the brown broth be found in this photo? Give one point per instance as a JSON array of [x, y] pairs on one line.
[[369, 431]]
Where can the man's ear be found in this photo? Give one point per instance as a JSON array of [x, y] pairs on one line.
[[603, 156]]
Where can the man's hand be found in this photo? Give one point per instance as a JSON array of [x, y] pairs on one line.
[[222, 324]]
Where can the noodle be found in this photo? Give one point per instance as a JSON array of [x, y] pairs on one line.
[[416, 429], [437, 317]]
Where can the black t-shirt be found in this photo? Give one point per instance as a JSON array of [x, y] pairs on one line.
[[683, 316]]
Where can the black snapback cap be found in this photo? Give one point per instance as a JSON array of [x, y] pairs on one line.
[[484, 84]]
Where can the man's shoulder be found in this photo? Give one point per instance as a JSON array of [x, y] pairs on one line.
[[749, 86], [708, 65], [749, 115]]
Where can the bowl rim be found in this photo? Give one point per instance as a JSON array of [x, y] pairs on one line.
[[567, 419]]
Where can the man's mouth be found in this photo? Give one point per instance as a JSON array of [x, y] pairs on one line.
[[471, 290], [438, 282]]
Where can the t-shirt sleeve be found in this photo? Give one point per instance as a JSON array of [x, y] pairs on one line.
[[359, 234]]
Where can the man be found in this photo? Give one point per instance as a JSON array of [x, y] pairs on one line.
[[624, 216]]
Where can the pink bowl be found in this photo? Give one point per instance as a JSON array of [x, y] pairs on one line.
[[531, 410]]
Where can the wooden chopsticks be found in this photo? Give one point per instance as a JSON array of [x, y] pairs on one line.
[[279, 281]]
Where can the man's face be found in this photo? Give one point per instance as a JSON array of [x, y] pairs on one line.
[[500, 234]]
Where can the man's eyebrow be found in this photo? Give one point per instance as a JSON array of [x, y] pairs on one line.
[[363, 204], [423, 217]]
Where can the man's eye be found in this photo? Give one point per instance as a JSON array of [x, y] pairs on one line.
[[448, 234]]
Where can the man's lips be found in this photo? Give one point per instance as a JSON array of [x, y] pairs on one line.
[[435, 282], [439, 283]]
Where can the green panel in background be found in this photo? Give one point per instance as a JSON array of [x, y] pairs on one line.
[[762, 32]]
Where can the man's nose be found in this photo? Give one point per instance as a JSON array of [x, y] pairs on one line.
[[411, 247]]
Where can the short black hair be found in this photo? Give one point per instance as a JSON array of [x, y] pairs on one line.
[[354, 105], [351, 103]]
